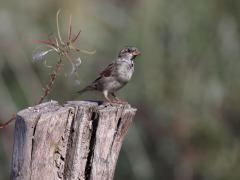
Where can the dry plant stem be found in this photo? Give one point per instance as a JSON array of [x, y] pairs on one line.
[[47, 90], [49, 86], [63, 49], [3, 125]]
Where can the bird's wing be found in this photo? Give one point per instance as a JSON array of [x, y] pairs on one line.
[[108, 70]]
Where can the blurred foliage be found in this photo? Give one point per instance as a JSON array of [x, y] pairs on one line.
[[186, 83]]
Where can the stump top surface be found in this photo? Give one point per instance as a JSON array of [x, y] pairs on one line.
[[52, 106]]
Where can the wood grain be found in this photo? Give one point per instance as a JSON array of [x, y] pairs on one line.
[[80, 140]]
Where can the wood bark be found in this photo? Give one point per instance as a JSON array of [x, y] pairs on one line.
[[80, 140]]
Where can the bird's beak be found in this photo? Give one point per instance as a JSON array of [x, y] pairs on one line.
[[136, 53]]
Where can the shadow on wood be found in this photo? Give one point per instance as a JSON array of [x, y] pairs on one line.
[[80, 140]]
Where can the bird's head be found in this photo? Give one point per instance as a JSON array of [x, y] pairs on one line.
[[129, 52]]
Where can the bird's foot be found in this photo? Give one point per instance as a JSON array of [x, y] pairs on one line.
[[119, 101], [114, 102], [108, 103]]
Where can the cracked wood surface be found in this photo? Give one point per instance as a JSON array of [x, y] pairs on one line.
[[80, 140]]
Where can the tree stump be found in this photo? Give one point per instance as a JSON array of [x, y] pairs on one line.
[[80, 140]]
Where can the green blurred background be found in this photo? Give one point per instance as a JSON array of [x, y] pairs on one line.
[[186, 84]]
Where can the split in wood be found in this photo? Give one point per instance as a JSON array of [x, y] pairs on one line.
[[80, 140]]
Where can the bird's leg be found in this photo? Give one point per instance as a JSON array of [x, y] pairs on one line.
[[105, 93], [115, 97], [117, 100]]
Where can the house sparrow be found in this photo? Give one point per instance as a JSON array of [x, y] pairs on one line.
[[115, 75]]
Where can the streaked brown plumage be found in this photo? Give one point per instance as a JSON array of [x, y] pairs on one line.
[[115, 75]]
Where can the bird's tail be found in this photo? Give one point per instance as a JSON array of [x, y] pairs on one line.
[[88, 88]]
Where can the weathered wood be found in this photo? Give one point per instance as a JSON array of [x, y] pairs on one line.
[[80, 140]]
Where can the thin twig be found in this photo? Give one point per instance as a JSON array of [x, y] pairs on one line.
[[58, 30], [46, 91], [48, 42], [76, 37], [70, 28], [3, 125], [49, 85], [86, 51], [63, 49]]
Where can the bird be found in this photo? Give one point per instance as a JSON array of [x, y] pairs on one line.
[[116, 75]]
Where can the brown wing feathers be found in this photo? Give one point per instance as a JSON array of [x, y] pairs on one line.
[[107, 71]]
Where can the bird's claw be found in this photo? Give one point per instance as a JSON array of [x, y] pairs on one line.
[[119, 101], [107, 103], [114, 102]]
